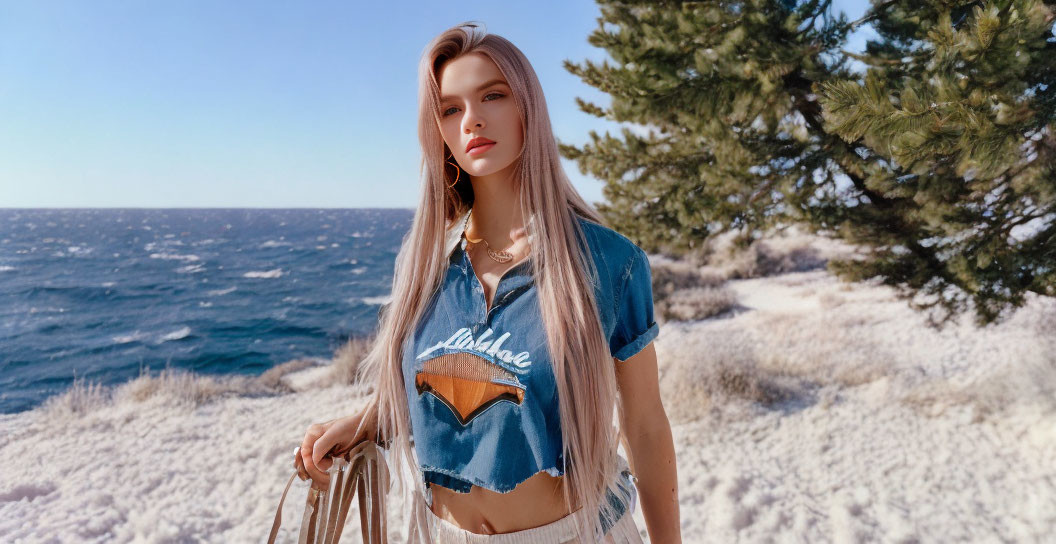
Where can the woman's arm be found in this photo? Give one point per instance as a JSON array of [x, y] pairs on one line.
[[650, 448]]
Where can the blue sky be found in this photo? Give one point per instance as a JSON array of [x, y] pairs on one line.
[[250, 104]]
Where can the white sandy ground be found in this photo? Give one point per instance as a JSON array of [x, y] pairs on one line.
[[813, 412]]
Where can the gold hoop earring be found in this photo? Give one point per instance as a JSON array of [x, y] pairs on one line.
[[458, 173]]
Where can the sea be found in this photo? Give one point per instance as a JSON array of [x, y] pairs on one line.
[[105, 294]]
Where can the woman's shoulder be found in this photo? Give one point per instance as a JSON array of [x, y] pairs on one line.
[[614, 248]]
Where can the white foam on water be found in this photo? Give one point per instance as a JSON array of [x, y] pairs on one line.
[[174, 257], [182, 332], [266, 274], [379, 300], [132, 337]]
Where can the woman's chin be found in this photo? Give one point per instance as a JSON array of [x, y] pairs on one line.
[[486, 166]]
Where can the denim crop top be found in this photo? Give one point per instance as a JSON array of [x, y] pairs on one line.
[[480, 387]]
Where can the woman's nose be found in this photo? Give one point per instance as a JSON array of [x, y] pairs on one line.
[[471, 121]]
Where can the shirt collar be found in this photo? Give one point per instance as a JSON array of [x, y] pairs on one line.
[[454, 235]]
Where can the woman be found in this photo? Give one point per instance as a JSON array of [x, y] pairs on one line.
[[517, 323]]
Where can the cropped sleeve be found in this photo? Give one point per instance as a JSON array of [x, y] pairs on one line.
[[635, 326]]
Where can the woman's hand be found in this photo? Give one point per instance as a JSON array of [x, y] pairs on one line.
[[323, 440]]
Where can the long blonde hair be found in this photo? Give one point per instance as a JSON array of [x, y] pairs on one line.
[[582, 365]]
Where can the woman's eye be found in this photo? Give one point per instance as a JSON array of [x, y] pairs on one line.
[[447, 112]]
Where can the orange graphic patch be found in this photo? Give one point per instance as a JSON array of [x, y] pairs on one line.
[[468, 384]]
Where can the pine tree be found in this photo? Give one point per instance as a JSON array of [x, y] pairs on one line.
[[937, 156]]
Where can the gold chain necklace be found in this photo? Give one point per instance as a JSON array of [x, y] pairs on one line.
[[501, 256]]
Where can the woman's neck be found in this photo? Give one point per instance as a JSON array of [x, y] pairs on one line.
[[496, 214]]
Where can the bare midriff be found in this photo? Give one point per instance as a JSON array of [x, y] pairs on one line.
[[536, 501]]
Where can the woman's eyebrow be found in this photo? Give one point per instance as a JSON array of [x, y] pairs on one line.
[[486, 84]]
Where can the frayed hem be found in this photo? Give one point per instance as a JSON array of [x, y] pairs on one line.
[[552, 471]]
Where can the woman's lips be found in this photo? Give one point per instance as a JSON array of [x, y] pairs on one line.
[[480, 149]]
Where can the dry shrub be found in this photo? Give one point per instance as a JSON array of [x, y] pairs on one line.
[[188, 388], [346, 368], [782, 361], [670, 276], [1012, 367], [1030, 382], [833, 347], [272, 378], [80, 399], [829, 300], [683, 291], [181, 387], [696, 303], [782, 250], [764, 258], [722, 379], [748, 383]]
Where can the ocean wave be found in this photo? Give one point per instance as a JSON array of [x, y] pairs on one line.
[[273, 243], [268, 274], [174, 257], [48, 309], [182, 332], [126, 338], [379, 300], [218, 292], [5, 268], [79, 293]]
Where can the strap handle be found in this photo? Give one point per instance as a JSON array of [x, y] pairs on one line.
[[361, 469]]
